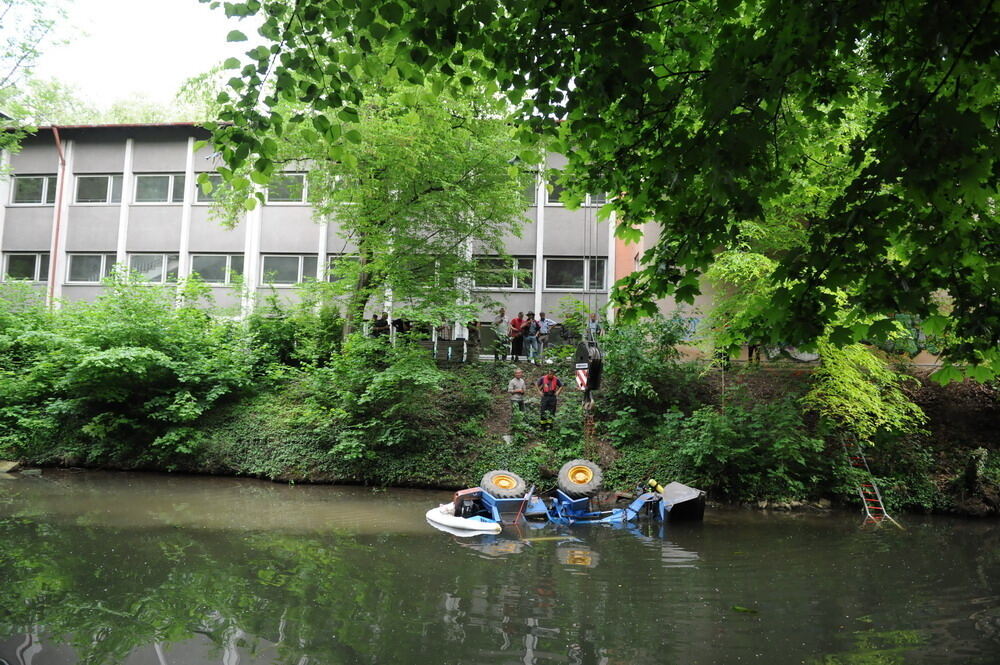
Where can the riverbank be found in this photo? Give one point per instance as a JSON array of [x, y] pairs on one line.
[[748, 442], [139, 380]]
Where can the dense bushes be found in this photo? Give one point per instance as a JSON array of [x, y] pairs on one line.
[[123, 378]]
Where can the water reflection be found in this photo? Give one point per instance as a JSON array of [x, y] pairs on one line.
[[208, 572]]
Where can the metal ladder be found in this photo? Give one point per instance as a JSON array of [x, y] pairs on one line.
[[871, 498]]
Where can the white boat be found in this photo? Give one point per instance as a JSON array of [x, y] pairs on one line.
[[444, 516]]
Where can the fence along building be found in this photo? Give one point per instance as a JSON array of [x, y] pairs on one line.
[[79, 199]]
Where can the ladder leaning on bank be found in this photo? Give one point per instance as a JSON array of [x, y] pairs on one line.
[[871, 498]]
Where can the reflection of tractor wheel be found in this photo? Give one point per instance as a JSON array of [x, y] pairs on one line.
[[503, 484], [580, 477], [577, 555]]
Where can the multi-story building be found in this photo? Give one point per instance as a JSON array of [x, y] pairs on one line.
[[79, 199]]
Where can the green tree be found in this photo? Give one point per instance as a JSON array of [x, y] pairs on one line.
[[700, 115], [423, 179], [53, 102], [26, 26]]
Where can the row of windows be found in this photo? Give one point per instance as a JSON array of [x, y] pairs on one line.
[[169, 188], [149, 188], [494, 273], [554, 191], [560, 273]]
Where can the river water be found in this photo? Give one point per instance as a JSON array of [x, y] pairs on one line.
[[154, 569]]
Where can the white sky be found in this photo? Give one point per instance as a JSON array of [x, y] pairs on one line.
[[118, 48]]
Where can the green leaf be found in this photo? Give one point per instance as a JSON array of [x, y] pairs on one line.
[[745, 610], [881, 329], [231, 63], [980, 373], [235, 36], [935, 325], [947, 374], [391, 12], [348, 114]]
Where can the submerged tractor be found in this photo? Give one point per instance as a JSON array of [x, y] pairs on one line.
[[503, 498]]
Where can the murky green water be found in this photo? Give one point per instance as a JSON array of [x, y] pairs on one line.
[[110, 568]]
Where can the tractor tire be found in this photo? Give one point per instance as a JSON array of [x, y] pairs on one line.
[[504, 484], [580, 477]]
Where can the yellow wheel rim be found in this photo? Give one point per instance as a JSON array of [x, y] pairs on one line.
[[504, 481], [581, 475]]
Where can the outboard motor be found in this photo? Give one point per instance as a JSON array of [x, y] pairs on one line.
[[467, 502]]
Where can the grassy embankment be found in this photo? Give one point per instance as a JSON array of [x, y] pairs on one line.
[[279, 434], [134, 381]]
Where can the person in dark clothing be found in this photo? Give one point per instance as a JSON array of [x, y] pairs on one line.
[[401, 326], [373, 326], [516, 341], [381, 326], [549, 386]]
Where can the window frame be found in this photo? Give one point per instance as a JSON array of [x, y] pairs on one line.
[[586, 274], [109, 191], [171, 189], [108, 261], [229, 272], [49, 181], [199, 192], [515, 281], [331, 258], [164, 265], [284, 174], [41, 277], [588, 200], [301, 277]]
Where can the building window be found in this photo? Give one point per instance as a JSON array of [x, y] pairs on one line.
[[155, 268], [500, 273], [89, 268], [553, 193], [574, 273], [531, 193], [99, 188], [30, 266], [159, 188], [589, 200], [33, 190], [287, 269], [342, 266], [207, 197], [595, 274], [217, 268], [287, 188]]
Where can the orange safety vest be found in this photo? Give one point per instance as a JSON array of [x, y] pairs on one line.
[[549, 384]]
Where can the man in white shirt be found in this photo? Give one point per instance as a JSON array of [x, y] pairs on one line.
[[501, 342], [545, 326], [516, 388]]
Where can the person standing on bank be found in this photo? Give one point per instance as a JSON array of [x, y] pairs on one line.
[[514, 332], [381, 326], [529, 333], [545, 326], [516, 388], [549, 386], [501, 341]]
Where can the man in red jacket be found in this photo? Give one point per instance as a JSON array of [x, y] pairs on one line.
[[549, 386]]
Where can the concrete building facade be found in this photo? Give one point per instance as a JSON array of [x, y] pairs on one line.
[[79, 199]]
